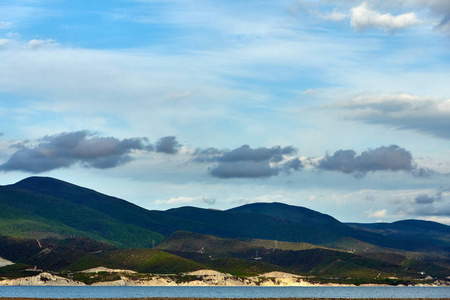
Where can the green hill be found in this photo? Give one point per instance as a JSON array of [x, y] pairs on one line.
[[49, 254], [233, 225], [243, 240], [35, 215], [116, 208], [270, 221], [139, 260], [242, 256], [425, 232]]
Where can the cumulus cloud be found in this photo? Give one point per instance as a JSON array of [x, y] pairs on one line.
[[188, 200], [424, 199], [65, 149], [391, 158], [246, 162], [245, 153], [293, 164], [244, 169], [207, 155], [167, 144], [401, 111], [363, 17]]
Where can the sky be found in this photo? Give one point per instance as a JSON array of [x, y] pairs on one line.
[[338, 106]]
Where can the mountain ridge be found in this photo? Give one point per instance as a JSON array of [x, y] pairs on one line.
[[60, 219], [271, 221]]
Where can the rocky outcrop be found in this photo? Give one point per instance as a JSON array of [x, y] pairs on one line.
[[280, 279], [103, 269], [41, 279], [197, 278], [5, 262], [211, 277]]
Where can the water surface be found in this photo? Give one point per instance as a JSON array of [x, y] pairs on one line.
[[222, 292]]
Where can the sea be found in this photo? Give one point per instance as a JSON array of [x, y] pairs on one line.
[[222, 292]]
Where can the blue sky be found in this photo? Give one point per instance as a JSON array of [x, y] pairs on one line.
[[338, 106]]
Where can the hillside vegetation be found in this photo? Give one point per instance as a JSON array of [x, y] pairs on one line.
[[58, 226]]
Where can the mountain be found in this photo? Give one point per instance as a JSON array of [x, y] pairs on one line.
[[430, 235], [306, 259], [61, 226], [428, 230], [76, 254], [114, 207], [292, 213], [235, 224], [412, 235], [30, 214], [221, 223], [39, 207], [50, 254]]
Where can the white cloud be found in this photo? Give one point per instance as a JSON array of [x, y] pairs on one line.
[[187, 200], [362, 17], [439, 219], [377, 214]]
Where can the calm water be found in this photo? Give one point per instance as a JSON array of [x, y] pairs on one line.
[[224, 292]]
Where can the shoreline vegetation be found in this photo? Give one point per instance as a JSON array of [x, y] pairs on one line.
[[102, 276]]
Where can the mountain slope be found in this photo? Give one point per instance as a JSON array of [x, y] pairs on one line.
[[234, 224], [42, 205], [326, 223], [116, 208], [50, 216], [221, 223], [292, 213], [234, 255], [424, 231]]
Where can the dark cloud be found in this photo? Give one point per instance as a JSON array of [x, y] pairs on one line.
[[401, 111], [207, 155], [391, 158], [65, 149], [426, 199], [244, 169], [167, 144], [430, 210], [293, 164], [424, 172], [245, 153], [245, 162]]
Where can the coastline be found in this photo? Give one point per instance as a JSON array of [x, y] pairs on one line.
[[197, 278]]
